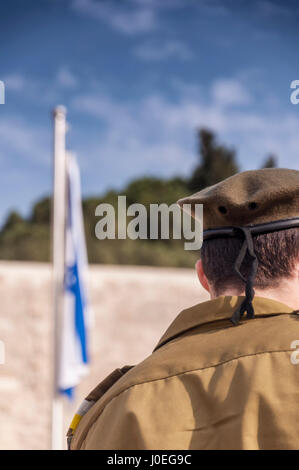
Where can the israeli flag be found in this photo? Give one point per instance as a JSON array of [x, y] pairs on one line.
[[75, 319]]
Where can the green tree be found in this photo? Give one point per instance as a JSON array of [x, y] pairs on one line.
[[41, 212], [13, 220], [270, 162], [20, 239], [216, 162]]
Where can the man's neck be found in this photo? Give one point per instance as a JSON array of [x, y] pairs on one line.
[[291, 299], [287, 293]]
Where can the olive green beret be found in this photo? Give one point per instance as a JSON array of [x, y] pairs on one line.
[[249, 198]]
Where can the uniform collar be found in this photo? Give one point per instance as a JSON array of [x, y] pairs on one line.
[[220, 308]]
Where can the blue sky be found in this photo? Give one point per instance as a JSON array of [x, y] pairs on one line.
[[138, 77]]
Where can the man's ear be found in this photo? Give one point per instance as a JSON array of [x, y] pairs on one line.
[[201, 276]]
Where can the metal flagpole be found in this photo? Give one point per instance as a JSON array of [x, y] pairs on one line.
[[58, 248]]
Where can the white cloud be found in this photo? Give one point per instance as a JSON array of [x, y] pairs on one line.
[[128, 16], [143, 16], [66, 78], [32, 89], [230, 92], [15, 82], [157, 136], [131, 18], [23, 140], [155, 51]]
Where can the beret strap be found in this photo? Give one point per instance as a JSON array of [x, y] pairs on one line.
[[248, 246], [246, 305]]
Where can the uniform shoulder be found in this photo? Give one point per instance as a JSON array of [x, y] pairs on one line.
[[198, 349]]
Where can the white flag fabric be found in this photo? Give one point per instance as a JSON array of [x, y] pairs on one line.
[[73, 350]]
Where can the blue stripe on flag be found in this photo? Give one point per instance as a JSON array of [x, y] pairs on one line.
[[73, 286], [69, 392]]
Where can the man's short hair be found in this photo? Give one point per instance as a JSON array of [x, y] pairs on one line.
[[277, 253]]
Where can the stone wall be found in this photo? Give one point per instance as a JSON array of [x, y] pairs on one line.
[[132, 307]]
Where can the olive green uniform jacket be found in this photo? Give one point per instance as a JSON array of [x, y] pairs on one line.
[[207, 385]]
